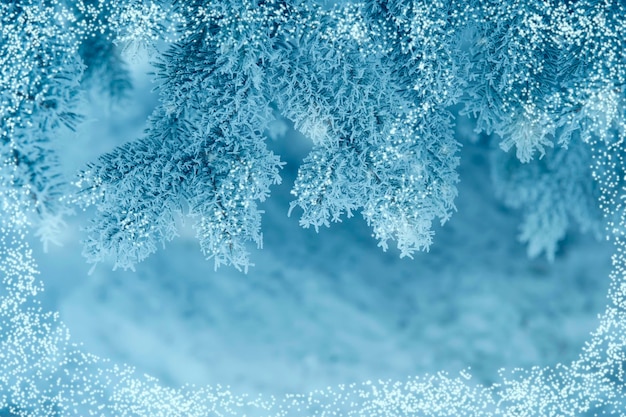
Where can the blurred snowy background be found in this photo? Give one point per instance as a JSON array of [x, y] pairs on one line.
[[325, 308]]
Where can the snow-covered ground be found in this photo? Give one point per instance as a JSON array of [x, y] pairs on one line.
[[326, 308]]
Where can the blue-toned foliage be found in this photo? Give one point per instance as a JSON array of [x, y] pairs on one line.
[[546, 76], [383, 141], [540, 72], [39, 90], [372, 84], [203, 156], [553, 193], [380, 145], [104, 68]]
